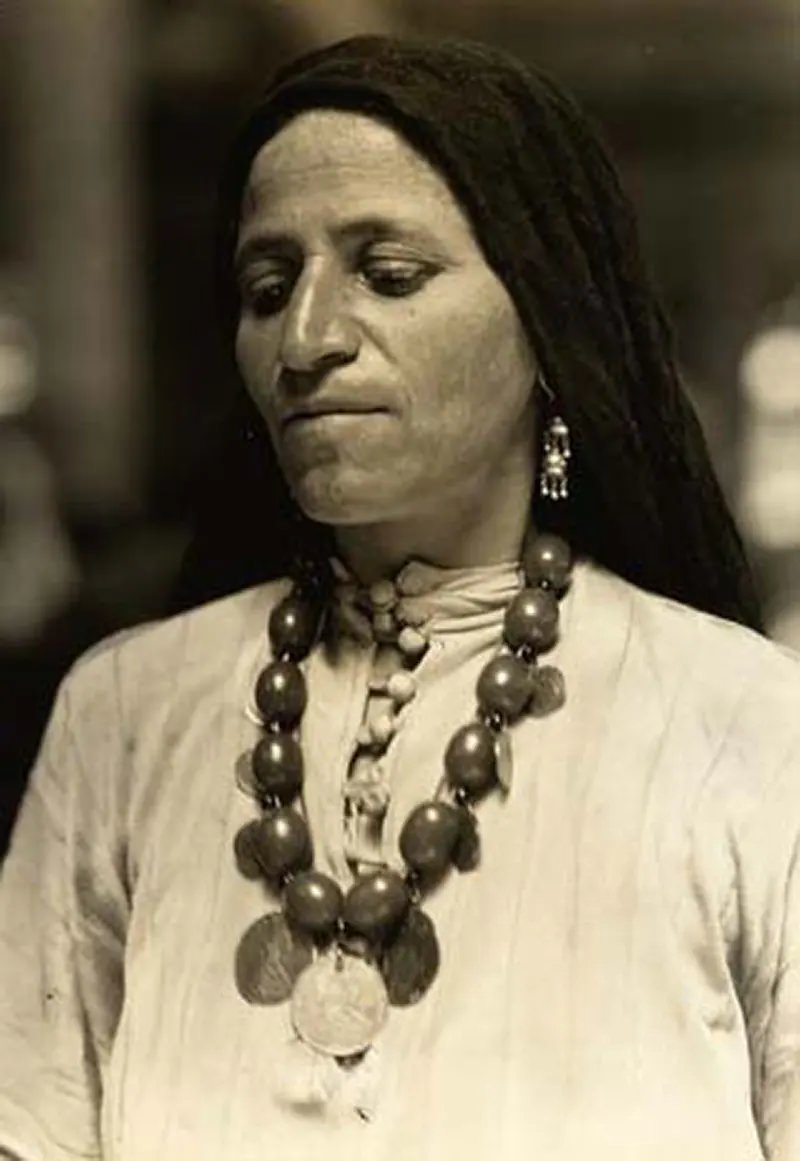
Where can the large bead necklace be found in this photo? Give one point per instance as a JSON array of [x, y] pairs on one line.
[[343, 958]]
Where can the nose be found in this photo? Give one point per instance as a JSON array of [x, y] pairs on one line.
[[317, 332]]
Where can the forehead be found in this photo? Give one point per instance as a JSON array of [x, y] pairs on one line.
[[341, 155]]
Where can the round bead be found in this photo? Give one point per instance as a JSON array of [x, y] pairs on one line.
[[411, 642], [470, 758], [281, 693], [547, 558], [314, 901], [376, 903], [384, 627], [401, 687], [429, 835], [504, 686], [383, 595], [532, 619], [282, 843], [278, 766], [413, 581], [293, 627], [382, 729]]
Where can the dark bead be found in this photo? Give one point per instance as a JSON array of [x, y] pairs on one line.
[[282, 843], [504, 686], [531, 619], [281, 693], [428, 836], [469, 758], [293, 627], [376, 903], [313, 901], [547, 558], [278, 767]]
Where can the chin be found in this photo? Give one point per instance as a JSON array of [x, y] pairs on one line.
[[327, 499]]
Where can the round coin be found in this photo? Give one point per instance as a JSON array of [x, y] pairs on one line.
[[269, 958], [411, 961], [339, 1004]]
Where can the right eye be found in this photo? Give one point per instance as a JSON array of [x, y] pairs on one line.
[[267, 294]]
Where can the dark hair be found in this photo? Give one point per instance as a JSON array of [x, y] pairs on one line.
[[554, 224]]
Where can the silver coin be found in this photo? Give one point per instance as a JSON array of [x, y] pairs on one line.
[[339, 1004], [245, 775]]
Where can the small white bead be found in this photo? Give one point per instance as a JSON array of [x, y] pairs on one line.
[[412, 581], [401, 687], [411, 642], [382, 729], [383, 595], [383, 626], [364, 736]]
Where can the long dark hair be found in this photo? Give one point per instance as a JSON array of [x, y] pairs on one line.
[[548, 211]]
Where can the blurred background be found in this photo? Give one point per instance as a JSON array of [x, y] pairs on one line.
[[114, 118]]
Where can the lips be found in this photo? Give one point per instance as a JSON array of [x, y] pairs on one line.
[[329, 411]]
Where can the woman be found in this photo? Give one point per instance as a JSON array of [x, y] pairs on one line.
[[231, 922]]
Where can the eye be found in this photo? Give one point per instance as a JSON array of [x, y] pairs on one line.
[[267, 293], [395, 277]]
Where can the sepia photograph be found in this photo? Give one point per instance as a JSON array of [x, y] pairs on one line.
[[400, 580]]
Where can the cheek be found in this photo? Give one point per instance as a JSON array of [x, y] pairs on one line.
[[473, 369], [255, 353]]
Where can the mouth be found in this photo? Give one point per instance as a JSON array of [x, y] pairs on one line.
[[305, 418]]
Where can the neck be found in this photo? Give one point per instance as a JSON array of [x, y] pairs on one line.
[[483, 527]]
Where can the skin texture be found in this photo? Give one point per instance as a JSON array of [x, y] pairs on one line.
[[386, 357]]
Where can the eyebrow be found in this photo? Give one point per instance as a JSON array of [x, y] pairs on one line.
[[373, 228]]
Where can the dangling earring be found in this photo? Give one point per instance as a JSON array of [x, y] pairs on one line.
[[556, 452]]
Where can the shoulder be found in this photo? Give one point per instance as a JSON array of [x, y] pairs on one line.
[[723, 700], [688, 644], [181, 655]]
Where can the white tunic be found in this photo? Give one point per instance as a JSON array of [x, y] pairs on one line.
[[620, 978]]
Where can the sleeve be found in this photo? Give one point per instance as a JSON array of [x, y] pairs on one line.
[[63, 916], [778, 1080], [770, 962]]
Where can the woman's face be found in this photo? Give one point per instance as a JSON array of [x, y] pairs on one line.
[[386, 358]]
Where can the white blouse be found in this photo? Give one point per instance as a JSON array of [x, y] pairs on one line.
[[620, 977]]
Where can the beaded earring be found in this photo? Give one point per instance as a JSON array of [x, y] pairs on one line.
[[556, 453]]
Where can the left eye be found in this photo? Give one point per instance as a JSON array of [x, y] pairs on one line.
[[396, 278]]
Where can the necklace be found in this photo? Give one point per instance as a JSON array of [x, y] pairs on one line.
[[342, 959]]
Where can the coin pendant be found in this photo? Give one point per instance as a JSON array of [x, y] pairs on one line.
[[549, 691], [505, 762], [411, 961], [467, 851], [245, 776], [339, 1004], [245, 851], [269, 958]]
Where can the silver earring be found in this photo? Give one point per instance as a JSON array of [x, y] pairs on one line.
[[554, 473]]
